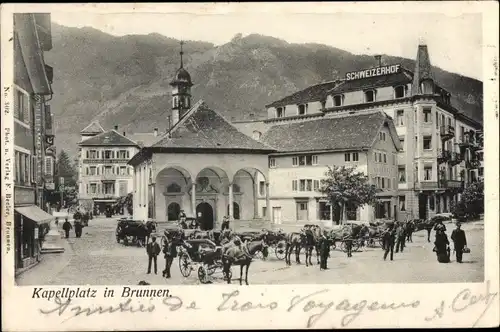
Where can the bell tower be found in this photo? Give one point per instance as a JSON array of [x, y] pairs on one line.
[[181, 91]]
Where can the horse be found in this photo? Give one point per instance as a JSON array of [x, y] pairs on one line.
[[311, 241], [242, 255], [293, 240]]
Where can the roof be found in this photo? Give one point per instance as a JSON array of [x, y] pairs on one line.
[[423, 69], [35, 214], [182, 77], [313, 93], [348, 132], [204, 128], [402, 77], [109, 138], [145, 139], [93, 128]]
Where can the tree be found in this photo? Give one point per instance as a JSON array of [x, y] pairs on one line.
[[65, 169], [471, 204], [345, 185]]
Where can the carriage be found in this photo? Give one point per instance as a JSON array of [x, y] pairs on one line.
[[133, 231], [277, 241], [203, 252]]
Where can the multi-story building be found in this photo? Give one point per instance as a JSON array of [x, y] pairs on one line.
[[103, 173], [33, 135], [439, 153], [368, 142]]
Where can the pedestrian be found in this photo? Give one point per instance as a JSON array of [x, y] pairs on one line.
[[57, 221], [183, 223], [153, 249], [225, 223], [85, 218], [441, 246], [439, 224], [459, 241], [182, 214], [170, 251], [400, 238], [348, 244], [428, 228], [388, 240], [78, 228], [324, 247], [410, 227], [67, 227]]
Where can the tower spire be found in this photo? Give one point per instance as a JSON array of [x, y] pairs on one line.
[[181, 53]]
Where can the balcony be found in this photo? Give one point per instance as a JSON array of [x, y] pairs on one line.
[[447, 132], [455, 159], [104, 161], [443, 156], [452, 184], [426, 185], [108, 177], [472, 164]]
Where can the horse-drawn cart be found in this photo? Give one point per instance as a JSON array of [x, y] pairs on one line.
[[203, 252], [134, 231]]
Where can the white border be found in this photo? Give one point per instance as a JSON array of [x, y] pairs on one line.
[[20, 312]]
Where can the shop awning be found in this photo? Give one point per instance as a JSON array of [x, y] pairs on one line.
[[35, 214]]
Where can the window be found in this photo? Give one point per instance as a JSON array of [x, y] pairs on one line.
[[432, 204], [316, 185], [427, 115], [402, 142], [294, 185], [314, 160], [92, 170], [109, 188], [272, 162], [302, 160], [302, 185], [462, 133], [309, 185], [91, 154], [93, 188], [305, 160], [302, 109], [338, 100], [382, 136], [303, 206], [383, 183], [256, 135], [375, 156], [280, 112], [123, 170], [389, 183], [108, 154], [324, 211], [295, 161], [262, 188], [108, 170], [428, 173], [122, 154], [23, 168], [323, 104], [442, 120], [369, 96], [264, 210], [21, 107], [355, 156], [347, 156], [402, 203], [427, 142], [399, 91], [385, 158], [481, 171], [402, 174], [437, 120], [400, 118]]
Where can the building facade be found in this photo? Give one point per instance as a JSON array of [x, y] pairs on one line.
[[33, 134], [440, 153], [103, 173]]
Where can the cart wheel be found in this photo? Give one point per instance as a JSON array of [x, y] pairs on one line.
[[259, 255], [185, 265], [279, 251], [230, 274], [211, 270], [203, 275], [355, 245]]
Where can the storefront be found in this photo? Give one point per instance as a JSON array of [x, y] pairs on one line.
[[31, 226]]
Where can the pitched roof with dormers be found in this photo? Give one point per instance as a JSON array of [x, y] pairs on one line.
[[339, 133], [93, 128], [109, 138], [400, 78], [203, 128], [313, 93]]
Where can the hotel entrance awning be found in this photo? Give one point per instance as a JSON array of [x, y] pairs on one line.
[[35, 214]]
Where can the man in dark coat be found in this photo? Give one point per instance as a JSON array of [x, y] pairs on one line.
[[410, 227], [388, 240], [459, 241], [170, 251], [153, 249], [67, 227], [400, 238], [85, 219], [428, 227], [78, 228], [324, 251], [225, 223], [441, 246]]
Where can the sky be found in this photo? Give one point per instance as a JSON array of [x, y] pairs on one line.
[[454, 39]]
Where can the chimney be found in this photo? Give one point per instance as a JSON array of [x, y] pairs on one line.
[[155, 132], [378, 57], [116, 127], [124, 134]]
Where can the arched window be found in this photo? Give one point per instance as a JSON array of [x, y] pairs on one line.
[[173, 211], [256, 135], [236, 211], [174, 188]]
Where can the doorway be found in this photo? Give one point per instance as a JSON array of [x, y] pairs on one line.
[[422, 206], [277, 215], [173, 211], [207, 216]]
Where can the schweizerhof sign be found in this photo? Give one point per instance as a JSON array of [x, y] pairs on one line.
[[379, 71]]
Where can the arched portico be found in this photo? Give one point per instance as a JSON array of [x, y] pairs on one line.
[[252, 194], [172, 186], [209, 190]]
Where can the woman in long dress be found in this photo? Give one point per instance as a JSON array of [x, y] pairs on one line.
[[442, 248]]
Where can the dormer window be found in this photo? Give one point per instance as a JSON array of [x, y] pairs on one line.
[[302, 109], [280, 112], [338, 100], [370, 96], [256, 135], [399, 91], [323, 104], [427, 87]]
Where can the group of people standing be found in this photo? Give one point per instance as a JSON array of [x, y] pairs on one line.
[[441, 244], [81, 219]]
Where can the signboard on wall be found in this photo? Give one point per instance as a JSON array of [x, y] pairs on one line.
[[379, 71], [38, 138]]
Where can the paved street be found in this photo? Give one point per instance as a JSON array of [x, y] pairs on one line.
[[97, 259]]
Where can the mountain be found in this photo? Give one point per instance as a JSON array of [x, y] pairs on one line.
[[124, 80]]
